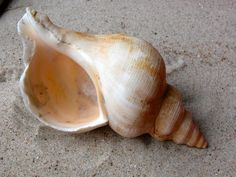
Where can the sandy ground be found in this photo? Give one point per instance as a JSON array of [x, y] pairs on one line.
[[201, 33]]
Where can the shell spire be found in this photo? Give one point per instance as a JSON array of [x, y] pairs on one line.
[[175, 123]]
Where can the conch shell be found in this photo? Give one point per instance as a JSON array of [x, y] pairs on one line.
[[77, 82]]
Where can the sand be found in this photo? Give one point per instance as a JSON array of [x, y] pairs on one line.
[[200, 33]]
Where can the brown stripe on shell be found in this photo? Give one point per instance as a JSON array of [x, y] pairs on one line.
[[181, 134], [194, 136]]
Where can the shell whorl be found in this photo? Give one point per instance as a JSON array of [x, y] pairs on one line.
[[175, 123]]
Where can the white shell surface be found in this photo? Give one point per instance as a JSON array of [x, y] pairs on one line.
[[131, 86]]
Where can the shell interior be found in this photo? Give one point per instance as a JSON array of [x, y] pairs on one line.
[[59, 88]]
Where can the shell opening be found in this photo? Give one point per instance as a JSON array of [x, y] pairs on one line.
[[59, 90]]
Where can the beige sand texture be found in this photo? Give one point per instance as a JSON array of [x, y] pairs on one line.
[[201, 33]]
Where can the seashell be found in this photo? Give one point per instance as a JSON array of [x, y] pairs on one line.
[[77, 82]]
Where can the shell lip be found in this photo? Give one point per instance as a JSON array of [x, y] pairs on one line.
[[36, 20]]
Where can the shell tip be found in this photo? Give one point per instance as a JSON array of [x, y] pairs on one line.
[[205, 145], [202, 144]]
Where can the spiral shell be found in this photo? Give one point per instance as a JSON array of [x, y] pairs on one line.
[[77, 82]]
